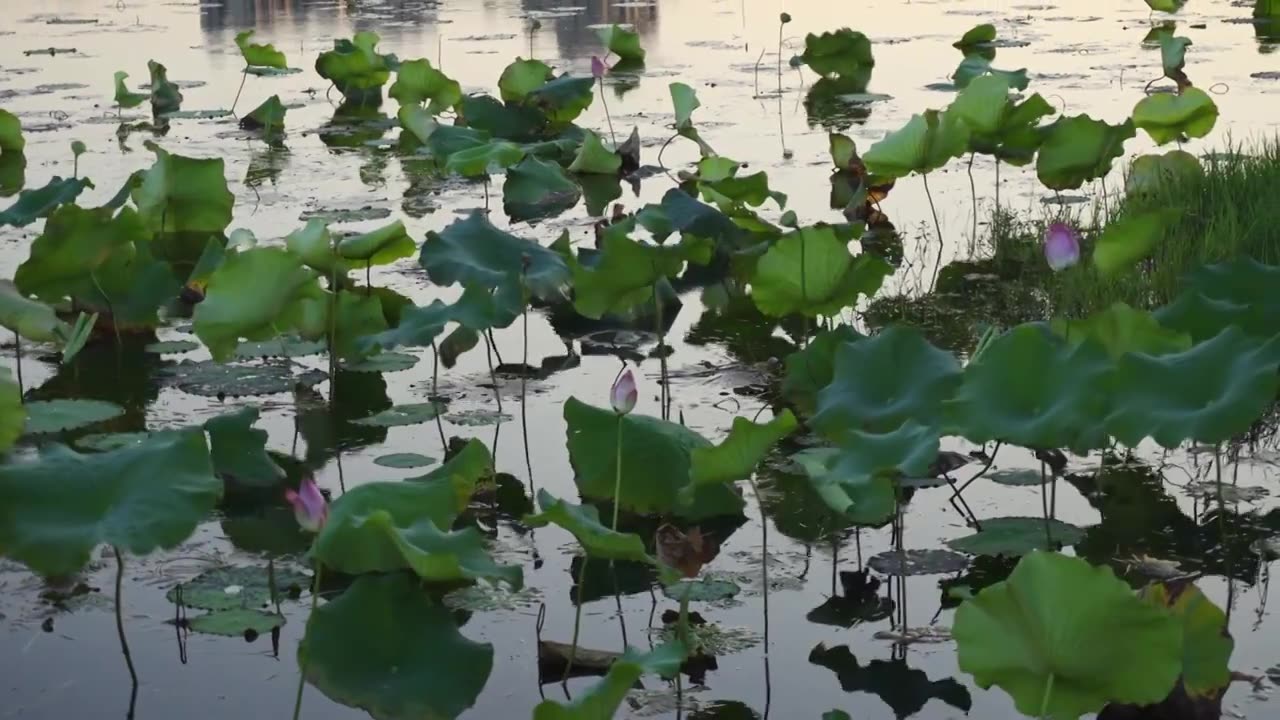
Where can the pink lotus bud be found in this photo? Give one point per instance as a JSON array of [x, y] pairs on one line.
[[309, 506], [623, 394], [597, 67], [1061, 246]]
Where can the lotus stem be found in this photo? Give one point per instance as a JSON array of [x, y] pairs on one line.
[[577, 621], [1044, 506], [1044, 701], [764, 577], [368, 277], [124, 642], [997, 185], [662, 357], [435, 393], [781, 25], [973, 194], [617, 478], [612, 138], [493, 376], [302, 673], [524, 383], [804, 297], [271, 583], [244, 75], [937, 226], [17, 344]]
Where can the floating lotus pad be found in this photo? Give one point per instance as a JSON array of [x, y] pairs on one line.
[[212, 379], [236, 622], [104, 442], [918, 562], [1018, 477], [477, 418], [1016, 536], [403, 460], [702, 590], [244, 587], [282, 347], [51, 416], [172, 347], [398, 415], [383, 363]]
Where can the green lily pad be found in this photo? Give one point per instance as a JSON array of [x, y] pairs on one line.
[[583, 522], [239, 451], [906, 451], [172, 347], [417, 81], [562, 99], [1017, 477], [927, 142], [235, 623], [811, 271], [1208, 490], [623, 42], [487, 159], [477, 417], [383, 363], [51, 416], [103, 442], [737, 456], [810, 369], [1078, 148], [283, 347], [601, 701], [269, 116], [625, 271], [213, 379], [707, 590], [1165, 117], [55, 510], [1062, 624], [242, 587], [978, 35], [1207, 645], [884, 380], [1016, 536], [256, 55], [387, 648], [918, 562], [398, 415], [1208, 394], [403, 460], [975, 66]]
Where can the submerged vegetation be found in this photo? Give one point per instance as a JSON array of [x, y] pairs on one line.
[[1159, 327]]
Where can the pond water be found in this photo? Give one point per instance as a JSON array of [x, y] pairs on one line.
[[802, 652]]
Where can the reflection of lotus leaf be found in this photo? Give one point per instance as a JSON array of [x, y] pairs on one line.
[[411, 414], [918, 562]]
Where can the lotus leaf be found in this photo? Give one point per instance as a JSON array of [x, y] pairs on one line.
[[975, 37], [1017, 477], [239, 451], [1237, 292], [1173, 56], [842, 53], [13, 415], [28, 318], [656, 462], [55, 510], [1207, 644], [583, 522], [810, 369], [355, 67], [378, 247], [281, 347], [1168, 6], [908, 563], [51, 416], [255, 55], [811, 271], [623, 42], [397, 415], [602, 700], [882, 381], [626, 271], [906, 451], [356, 315], [234, 623], [418, 327], [998, 126], [863, 500], [1063, 638], [1149, 172], [732, 193], [386, 647], [1121, 329], [594, 158], [982, 103], [702, 590], [269, 116], [182, 194], [926, 143], [521, 78], [215, 379], [382, 363], [165, 96], [1130, 239], [976, 66], [1208, 393], [474, 252], [685, 101], [1078, 148], [484, 159], [1032, 389], [1010, 536], [11, 139], [737, 456], [248, 297], [314, 244], [1165, 117], [244, 587], [536, 189], [35, 204], [74, 243], [417, 80], [403, 460], [562, 99]]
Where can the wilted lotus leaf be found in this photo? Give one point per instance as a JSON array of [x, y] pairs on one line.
[[1063, 638]]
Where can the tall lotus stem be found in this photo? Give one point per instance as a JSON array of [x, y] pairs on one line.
[[937, 226], [617, 476], [17, 344], [577, 621], [973, 195], [524, 367], [244, 75], [597, 71], [124, 642], [302, 671]]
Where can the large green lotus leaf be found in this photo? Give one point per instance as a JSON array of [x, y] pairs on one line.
[[1168, 117], [474, 252], [925, 143], [1207, 394], [314, 244], [378, 247], [623, 42], [52, 416], [236, 623], [239, 450], [182, 194], [418, 327], [256, 55], [385, 647], [1032, 389], [594, 158], [1207, 645], [810, 369], [681, 212], [1061, 624], [236, 587], [601, 701], [165, 95], [521, 78], [1148, 173], [269, 116], [13, 172], [486, 159], [884, 380], [445, 141], [1203, 317], [55, 510], [626, 271], [1019, 136], [536, 189], [842, 53], [906, 451], [11, 139], [563, 98], [1168, 6], [28, 318], [685, 101], [74, 243], [656, 462], [1121, 329], [1078, 148], [974, 66], [1011, 536], [40, 202], [123, 97], [862, 499], [350, 544], [737, 456], [1130, 239], [354, 66], [1173, 56], [975, 37], [1240, 292], [247, 297], [357, 315], [734, 192], [13, 416], [130, 286], [506, 121], [811, 271], [583, 522], [417, 81], [982, 104]]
